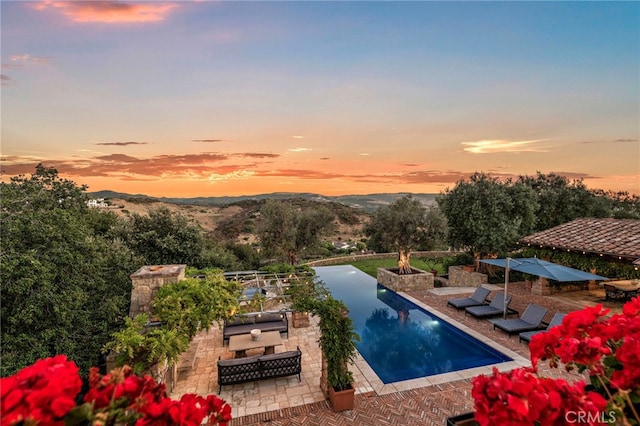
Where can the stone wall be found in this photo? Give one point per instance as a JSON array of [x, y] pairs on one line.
[[459, 276], [421, 280], [543, 287], [147, 280]]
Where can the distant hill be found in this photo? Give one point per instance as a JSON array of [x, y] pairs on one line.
[[367, 202]]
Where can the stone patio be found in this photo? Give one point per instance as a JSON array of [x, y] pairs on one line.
[[426, 401]]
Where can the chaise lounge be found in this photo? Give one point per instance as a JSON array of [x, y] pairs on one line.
[[478, 298], [495, 308], [527, 335], [530, 320]]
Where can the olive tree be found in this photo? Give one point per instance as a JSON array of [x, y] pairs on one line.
[[486, 216], [561, 200], [406, 225], [289, 231], [164, 237]]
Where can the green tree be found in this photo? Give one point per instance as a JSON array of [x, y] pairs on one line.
[[65, 287], [486, 216], [164, 237], [290, 232], [182, 309], [561, 200], [406, 225], [623, 204]]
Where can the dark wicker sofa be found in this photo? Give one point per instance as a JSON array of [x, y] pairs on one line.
[[265, 321], [258, 367]]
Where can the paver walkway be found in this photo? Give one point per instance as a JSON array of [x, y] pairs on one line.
[[284, 401]]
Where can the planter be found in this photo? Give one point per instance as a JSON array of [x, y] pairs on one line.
[[342, 400], [300, 319], [465, 419], [417, 280]]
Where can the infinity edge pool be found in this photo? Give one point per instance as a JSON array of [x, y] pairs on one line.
[[376, 384]]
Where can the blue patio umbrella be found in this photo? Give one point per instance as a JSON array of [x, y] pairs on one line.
[[541, 268]]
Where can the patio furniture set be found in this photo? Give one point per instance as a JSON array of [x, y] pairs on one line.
[[621, 291], [242, 368], [526, 326]]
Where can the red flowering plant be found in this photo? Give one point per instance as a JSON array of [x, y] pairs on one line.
[[607, 349], [45, 393]]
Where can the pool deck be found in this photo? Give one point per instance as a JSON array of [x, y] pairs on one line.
[[424, 401]]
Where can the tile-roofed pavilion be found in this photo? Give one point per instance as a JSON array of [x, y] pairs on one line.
[[618, 238]]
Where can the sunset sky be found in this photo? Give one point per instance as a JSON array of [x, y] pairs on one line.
[[203, 98]]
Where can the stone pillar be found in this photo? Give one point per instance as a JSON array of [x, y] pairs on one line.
[[541, 286], [147, 280]]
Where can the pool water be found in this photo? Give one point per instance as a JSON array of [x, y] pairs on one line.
[[400, 340]]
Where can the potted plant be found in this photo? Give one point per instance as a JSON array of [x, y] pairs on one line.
[[300, 293], [337, 342]]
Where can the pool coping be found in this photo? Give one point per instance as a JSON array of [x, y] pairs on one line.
[[375, 384]]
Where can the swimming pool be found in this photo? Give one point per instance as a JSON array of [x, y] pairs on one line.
[[400, 340]]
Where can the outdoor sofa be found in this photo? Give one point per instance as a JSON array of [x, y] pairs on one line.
[[479, 297], [258, 367], [494, 309], [265, 321], [531, 319], [527, 335]]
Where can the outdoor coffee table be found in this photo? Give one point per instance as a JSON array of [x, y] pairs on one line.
[[268, 340]]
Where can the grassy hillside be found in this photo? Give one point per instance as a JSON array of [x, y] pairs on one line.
[[238, 221]]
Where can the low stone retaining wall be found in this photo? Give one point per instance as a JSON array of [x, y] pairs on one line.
[[369, 256], [459, 276]]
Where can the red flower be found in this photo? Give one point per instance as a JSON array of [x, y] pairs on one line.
[[43, 392], [608, 348]]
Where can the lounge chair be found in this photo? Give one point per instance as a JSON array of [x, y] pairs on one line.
[[530, 320], [494, 309], [477, 298], [527, 335]]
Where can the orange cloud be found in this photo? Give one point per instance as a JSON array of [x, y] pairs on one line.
[[122, 166], [215, 168], [111, 12], [256, 155], [121, 143]]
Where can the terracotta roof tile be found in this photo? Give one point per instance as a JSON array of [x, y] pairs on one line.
[[615, 237]]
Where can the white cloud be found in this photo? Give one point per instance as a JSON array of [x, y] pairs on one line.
[[239, 174], [25, 59], [496, 146], [299, 149]]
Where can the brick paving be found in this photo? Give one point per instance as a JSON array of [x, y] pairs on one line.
[[285, 401]]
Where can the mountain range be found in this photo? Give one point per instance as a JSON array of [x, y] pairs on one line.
[[366, 202]]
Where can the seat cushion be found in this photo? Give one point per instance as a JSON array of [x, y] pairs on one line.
[[280, 355], [239, 320], [251, 361], [268, 318]]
